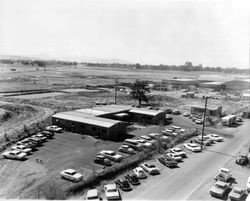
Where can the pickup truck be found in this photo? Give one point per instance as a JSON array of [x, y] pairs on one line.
[[219, 189], [223, 175]]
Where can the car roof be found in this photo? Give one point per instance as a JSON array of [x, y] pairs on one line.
[[236, 188], [110, 186], [224, 169], [221, 183], [92, 193], [70, 170]]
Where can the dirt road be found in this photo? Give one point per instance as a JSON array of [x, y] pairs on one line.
[[182, 183]]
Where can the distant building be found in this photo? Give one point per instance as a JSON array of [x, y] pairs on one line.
[[238, 84], [211, 111], [147, 116], [181, 83], [213, 85]]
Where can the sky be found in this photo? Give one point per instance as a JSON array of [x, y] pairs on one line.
[[207, 32]]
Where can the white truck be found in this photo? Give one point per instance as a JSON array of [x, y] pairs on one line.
[[223, 175]]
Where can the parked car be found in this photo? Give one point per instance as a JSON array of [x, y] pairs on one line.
[[22, 148], [154, 135], [54, 128], [111, 192], [123, 184], [236, 194], [248, 185], [186, 114], [168, 117], [175, 156], [239, 119], [192, 147], [206, 138], [223, 175], [72, 175], [14, 154], [126, 149], [28, 143], [41, 136], [150, 168], [198, 121], [168, 111], [216, 137], [219, 189], [36, 139], [48, 134], [100, 159], [132, 178], [175, 128], [111, 155], [167, 161], [140, 173], [93, 195], [199, 141], [169, 132], [242, 160], [145, 137], [133, 144], [176, 112], [178, 151]]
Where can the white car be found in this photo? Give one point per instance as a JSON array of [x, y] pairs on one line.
[[93, 195], [176, 127], [169, 132], [223, 175], [140, 173], [111, 155], [71, 175], [15, 154], [154, 135], [192, 147], [175, 156], [198, 121], [150, 168], [22, 148], [177, 150], [54, 128], [236, 194], [248, 185], [145, 137], [126, 149], [111, 192], [186, 114], [216, 137]]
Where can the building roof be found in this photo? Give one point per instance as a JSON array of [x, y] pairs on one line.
[[145, 111], [228, 117], [107, 109], [85, 118], [221, 78], [213, 83]]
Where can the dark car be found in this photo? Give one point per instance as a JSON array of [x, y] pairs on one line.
[[123, 184], [28, 143], [167, 161], [168, 111], [242, 160], [100, 159], [37, 140], [176, 112], [47, 134], [133, 179]]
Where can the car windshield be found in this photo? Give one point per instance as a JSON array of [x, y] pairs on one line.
[[220, 186], [111, 153], [111, 190], [93, 197], [237, 190], [71, 173], [151, 165]]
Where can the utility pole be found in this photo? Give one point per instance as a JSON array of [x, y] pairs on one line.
[[115, 89], [204, 121]]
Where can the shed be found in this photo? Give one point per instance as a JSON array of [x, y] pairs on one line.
[[147, 116], [86, 124], [228, 120], [212, 111]]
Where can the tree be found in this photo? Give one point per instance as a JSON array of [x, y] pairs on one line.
[[139, 89]]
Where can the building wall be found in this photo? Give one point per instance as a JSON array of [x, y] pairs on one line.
[[237, 85], [246, 114], [212, 112], [148, 119], [109, 133]]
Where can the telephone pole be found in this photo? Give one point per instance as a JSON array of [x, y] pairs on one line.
[[115, 89], [204, 121]]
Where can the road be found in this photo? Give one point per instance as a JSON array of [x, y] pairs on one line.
[[182, 183]]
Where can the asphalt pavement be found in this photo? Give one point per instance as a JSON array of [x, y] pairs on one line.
[[182, 183]]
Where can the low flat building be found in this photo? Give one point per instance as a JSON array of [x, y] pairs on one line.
[[211, 111], [182, 83], [228, 120], [147, 116], [86, 124], [213, 85]]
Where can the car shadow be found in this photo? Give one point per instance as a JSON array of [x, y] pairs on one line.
[[225, 196], [232, 180]]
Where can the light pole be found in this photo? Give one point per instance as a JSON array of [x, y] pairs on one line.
[[204, 121]]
